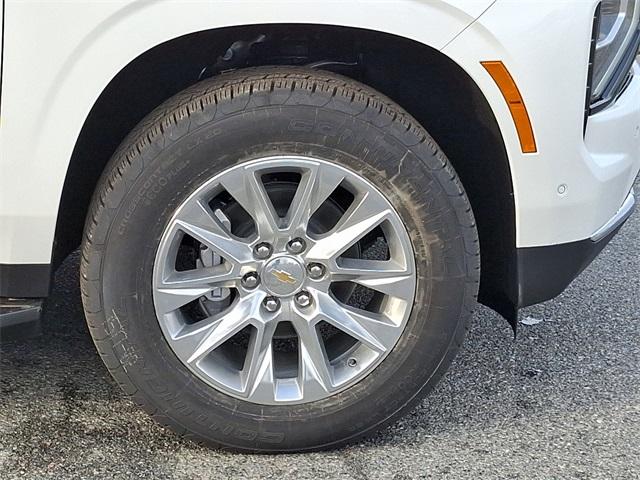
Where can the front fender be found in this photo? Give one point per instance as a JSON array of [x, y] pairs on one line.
[[59, 56]]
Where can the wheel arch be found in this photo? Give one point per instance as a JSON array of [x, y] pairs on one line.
[[425, 82]]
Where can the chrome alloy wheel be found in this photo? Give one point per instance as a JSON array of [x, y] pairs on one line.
[[284, 280]]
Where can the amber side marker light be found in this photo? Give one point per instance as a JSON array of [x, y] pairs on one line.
[[511, 94]]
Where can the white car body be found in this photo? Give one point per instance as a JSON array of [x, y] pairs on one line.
[[58, 57], [287, 210]]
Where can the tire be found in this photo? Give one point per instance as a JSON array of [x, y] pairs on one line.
[[227, 121]]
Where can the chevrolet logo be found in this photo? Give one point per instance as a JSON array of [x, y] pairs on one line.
[[284, 277]]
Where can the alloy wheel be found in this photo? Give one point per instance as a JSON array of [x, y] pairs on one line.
[[284, 280]]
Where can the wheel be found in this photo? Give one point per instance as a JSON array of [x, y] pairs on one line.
[[278, 259]]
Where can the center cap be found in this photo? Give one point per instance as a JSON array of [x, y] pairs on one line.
[[283, 276]]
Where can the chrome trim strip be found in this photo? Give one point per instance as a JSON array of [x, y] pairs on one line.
[[614, 222]]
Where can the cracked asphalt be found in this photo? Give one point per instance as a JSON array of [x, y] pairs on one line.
[[561, 401]]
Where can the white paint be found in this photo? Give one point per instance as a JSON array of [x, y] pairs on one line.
[[60, 55], [545, 46]]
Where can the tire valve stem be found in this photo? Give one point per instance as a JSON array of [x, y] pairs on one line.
[[352, 362]]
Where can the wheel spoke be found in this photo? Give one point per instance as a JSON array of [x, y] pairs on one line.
[[181, 288], [316, 185], [314, 367], [216, 276], [198, 221], [258, 368], [360, 218], [385, 276], [194, 342], [248, 190], [372, 329]]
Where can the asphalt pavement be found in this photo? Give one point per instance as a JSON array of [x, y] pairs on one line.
[[560, 401]]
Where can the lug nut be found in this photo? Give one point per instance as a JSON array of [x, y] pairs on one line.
[[271, 304], [303, 299], [352, 362], [315, 270], [262, 250], [250, 280], [296, 245]]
